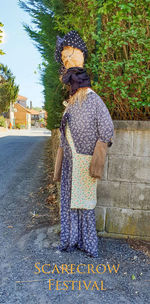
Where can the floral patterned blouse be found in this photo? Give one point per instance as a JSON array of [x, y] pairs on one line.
[[88, 122]]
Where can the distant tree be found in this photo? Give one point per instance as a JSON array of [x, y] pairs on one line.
[[8, 89], [37, 108], [1, 32]]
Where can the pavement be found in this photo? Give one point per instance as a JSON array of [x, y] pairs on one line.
[[25, 132], [120, 275]]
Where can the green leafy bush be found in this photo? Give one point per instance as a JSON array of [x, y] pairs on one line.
[[18, 126], [2, 122], [123, 58]]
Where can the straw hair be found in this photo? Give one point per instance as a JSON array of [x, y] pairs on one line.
[[80, 95]]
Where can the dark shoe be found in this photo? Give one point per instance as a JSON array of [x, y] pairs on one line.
[[61, 248], [92, 255]]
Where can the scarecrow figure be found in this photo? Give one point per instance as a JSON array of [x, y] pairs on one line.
[[86, 131]]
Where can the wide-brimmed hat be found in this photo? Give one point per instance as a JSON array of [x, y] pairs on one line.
[[73, 39]]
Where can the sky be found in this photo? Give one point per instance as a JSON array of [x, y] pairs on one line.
[[21, 56]]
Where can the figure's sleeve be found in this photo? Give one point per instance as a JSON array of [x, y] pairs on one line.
[[104, 122]]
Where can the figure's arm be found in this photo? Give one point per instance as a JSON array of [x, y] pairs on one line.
[[105, 130], [58, 161]]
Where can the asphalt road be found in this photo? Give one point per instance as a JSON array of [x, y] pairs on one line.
[[21, 173]]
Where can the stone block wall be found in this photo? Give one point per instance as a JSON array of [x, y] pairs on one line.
[[123, 193]]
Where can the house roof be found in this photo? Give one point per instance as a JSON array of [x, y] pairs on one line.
[[19, 97], [42, 111], [34, 112], [18, 105]]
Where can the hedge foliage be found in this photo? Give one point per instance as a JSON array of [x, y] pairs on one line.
[[117, 36], [118, 39], [43, 34]]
